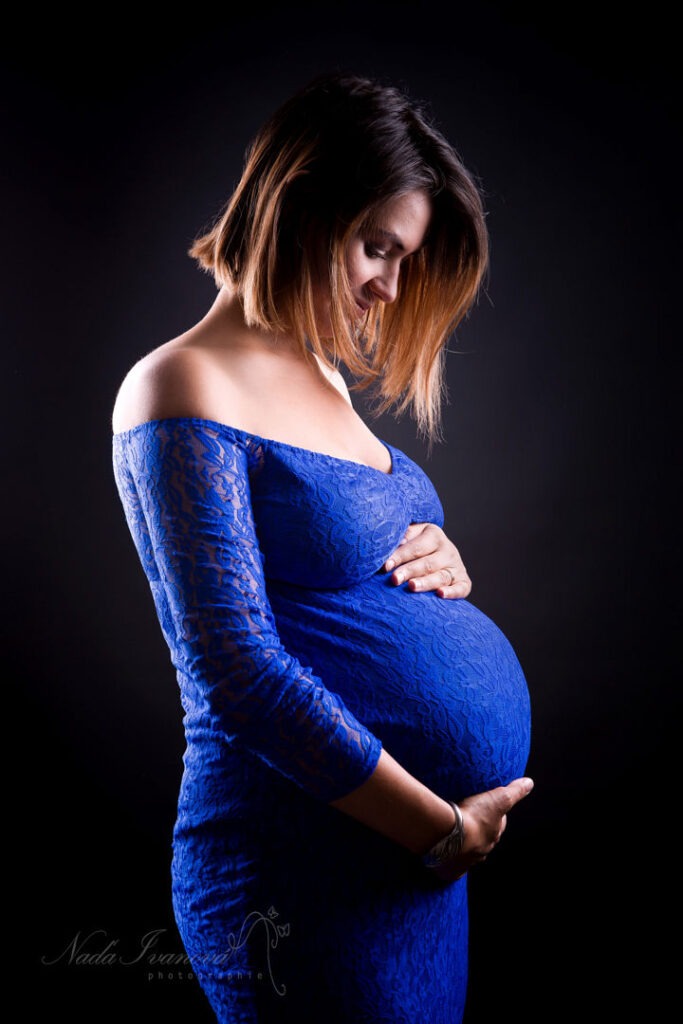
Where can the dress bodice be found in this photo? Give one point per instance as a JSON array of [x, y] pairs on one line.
[[327, 522]]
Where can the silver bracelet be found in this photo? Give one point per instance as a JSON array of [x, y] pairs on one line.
[[448, 847]]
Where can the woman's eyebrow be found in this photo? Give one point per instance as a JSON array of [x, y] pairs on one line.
[[392, 237]]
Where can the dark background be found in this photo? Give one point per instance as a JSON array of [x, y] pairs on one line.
[[121, 142]]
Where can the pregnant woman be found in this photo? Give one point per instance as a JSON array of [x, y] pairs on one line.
[[356, 730]]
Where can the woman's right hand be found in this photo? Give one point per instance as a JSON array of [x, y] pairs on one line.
[[485, 819]]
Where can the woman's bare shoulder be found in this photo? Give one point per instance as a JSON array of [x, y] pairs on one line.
[[175, 379]]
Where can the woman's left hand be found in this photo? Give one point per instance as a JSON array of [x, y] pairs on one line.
[[428, 560]]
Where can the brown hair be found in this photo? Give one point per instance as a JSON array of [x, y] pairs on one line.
[[318, 172]]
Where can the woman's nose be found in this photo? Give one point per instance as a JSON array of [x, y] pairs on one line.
[[385, 285]]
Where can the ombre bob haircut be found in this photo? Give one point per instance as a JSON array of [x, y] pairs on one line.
[[316, 175]]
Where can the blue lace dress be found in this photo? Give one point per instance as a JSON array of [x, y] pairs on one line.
[[297, 661]]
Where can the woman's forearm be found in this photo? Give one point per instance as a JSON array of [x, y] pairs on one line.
[[395, 803]]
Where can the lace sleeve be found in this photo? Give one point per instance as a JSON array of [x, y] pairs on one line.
[[185, 492]]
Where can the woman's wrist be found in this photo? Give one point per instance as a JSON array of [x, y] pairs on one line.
[[450, 846], [443, 823]]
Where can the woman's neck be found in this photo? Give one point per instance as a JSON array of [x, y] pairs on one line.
[[227, 316]]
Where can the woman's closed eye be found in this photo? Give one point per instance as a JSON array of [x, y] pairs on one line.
[[375, 252]]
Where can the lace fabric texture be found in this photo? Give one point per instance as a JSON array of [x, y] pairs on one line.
[[186, 495], [297, 661]]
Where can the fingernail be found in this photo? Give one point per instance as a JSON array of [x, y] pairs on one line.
[[400, 577], [390, 564]]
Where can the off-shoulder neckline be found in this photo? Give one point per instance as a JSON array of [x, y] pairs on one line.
[[393, 452]]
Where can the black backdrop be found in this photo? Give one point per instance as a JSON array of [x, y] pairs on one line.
[[122, 141]]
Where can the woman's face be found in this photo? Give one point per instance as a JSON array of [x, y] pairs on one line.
[[374, 259]]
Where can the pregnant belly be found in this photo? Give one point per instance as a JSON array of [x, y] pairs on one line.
[[436, 680]]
